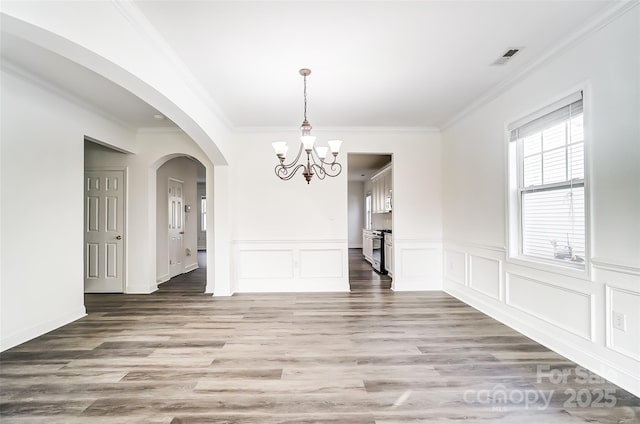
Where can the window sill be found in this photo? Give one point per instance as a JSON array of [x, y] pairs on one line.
[[580, 271]]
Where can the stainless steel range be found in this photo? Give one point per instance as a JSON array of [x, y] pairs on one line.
[[378, 250]]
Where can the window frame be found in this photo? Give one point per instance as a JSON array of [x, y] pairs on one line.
[[368, 210], [515, 190], [203, 214]]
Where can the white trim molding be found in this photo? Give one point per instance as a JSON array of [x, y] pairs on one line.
[[417, 264], [290, 266], [569, 315], [7, 342], [616, 10], [609, 266]]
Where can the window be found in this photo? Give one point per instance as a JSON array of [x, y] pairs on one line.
[[203, 213], [547, 184], [367, 208]]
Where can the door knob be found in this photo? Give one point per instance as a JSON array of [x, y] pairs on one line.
[[118, 237]]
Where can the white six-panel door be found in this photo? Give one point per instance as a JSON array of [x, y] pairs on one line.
[[176, 227], [104, 232]]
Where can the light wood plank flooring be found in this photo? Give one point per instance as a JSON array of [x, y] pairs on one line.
[[193, 282], [370, 356], [363, 278]]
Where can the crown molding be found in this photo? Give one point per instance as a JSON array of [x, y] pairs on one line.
[[617, 10], [139, 21], [275, 129]]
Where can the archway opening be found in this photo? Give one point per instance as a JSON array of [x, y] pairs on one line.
[[181, 226]]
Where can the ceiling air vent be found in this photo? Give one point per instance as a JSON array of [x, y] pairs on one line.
[[506, 56]]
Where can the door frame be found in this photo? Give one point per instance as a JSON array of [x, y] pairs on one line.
[[125, 205]]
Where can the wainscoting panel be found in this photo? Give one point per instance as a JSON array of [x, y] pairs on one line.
[[623, 323], [266, 264], [485, 275], [417, 265], [321, 263], [568, 309], [290, 266], [455, 266], [572, 316]]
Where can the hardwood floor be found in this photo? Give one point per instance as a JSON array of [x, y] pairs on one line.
[[370, 356], [363, 278], [193, 282]]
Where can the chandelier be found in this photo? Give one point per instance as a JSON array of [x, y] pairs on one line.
[[320, 159]]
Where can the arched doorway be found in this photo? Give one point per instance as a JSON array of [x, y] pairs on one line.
[[181, 226]]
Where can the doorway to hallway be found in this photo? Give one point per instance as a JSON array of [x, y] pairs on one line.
[[193, 282], [370, 221], [362, 278]]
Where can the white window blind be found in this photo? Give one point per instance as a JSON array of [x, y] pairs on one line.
[[550, 166]]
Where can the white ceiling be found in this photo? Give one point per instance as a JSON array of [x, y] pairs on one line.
[[374, 63], [92, 89], [378, 63], [362, 166]]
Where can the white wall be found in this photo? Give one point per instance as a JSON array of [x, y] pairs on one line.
[[42, 180], [570, 315], [296, 225], [122, 46], [186, 171], [355, 206], [155, 148]]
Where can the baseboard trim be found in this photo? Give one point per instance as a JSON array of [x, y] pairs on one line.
[[190, 268], [580, 356], [163, 279], [37, 330], [306, 285]]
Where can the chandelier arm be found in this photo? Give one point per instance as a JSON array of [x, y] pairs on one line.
[[293, 162], [333, 170], [320, 171], [313, 158], [286, 173], [315, 164]]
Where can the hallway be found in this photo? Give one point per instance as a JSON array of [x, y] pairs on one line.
[[193, 282], [362, 278]]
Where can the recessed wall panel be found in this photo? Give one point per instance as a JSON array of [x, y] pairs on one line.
[[484, 275], [420, 263], [316, 263], [624, 322], [266, 264], [567, 309]]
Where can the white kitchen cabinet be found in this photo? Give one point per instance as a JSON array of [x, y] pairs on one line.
[[387, 190], [388, 254], [381, 189], [367, 245]]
